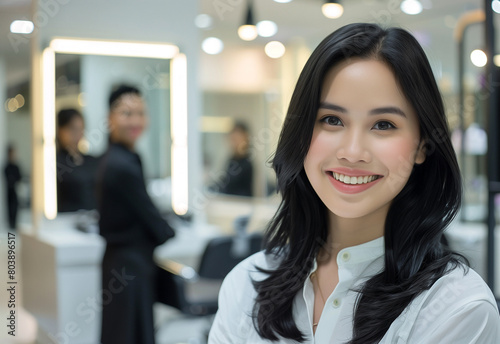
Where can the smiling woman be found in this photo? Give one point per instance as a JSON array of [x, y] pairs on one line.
[[369, 181], [374, 128]]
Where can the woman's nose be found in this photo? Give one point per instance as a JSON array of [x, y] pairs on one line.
[[354, 147]]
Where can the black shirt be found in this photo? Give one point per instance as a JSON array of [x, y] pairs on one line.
[[75, 182], [127, 214], [239, 177], [13, 175]]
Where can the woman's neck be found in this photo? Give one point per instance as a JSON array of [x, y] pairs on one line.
[[347, 232]]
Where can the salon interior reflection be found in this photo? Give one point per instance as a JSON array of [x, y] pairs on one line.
[[215, 94]]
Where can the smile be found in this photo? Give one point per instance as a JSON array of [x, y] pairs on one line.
[[353, 184], [351, 180]]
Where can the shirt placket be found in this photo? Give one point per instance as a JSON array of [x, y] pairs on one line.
[[333, 305]]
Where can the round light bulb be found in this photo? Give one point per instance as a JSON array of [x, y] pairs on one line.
[[495, 5], [332, 11], [13, 105], [247, 32], [267, 28], [478, 58], [203, 21], [496, 60], [275, 49], [20, 100], [212, 45], [22, 26], [411, 7]]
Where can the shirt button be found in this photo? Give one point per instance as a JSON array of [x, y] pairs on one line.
[[346, 256], [336, 303]]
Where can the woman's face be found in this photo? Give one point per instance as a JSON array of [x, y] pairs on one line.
[[365, 140], [71, 134], [127, 119]]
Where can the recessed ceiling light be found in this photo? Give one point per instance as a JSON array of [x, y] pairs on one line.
[[283, 1], [411, 7], [275, 49], [22, 26], [212, 45], [203, 21], [267, 28], [332, 9], [478, 58], [495, 5]]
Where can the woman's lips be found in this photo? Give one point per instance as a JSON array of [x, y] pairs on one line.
[[350, 184]]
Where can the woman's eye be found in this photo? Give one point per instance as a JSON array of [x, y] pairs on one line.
[[331, 120], [384, 125]]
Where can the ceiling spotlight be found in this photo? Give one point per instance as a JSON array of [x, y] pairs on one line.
[[275, 49], [267, 28], [411, 7], [212, 45], [283, 1], [248, 31], [22, 26], [332, 9], [495, 5], [203, 21], [478, 58]]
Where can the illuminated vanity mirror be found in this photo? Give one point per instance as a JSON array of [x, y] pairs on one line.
[[80, 74]]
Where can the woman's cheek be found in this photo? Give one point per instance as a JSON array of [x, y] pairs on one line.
[[399, 158]]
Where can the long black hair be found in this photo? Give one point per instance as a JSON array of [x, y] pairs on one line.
[[418, 215]]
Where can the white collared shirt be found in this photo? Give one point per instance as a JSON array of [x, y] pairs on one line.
[[458, 309]]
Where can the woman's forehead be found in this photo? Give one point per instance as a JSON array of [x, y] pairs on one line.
[[360, 83]]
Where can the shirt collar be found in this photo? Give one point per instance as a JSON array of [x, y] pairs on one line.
[[358, 256]]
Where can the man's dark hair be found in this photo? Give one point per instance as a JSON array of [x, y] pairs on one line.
[[65, 116], [241, 126], [121, 90]]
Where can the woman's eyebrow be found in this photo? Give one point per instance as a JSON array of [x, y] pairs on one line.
[[388, 109], [378, 111], [330, 106]]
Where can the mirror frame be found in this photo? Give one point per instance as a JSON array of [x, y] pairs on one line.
[[178, 108]]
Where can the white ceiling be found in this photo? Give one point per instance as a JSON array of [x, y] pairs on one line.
[[299, 18]]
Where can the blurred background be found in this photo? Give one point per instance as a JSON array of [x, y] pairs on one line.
[[217, 76]]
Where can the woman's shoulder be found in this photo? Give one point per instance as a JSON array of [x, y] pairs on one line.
[[458, 305], [252, 267], [239, 282], [463, 282], [233, 321]]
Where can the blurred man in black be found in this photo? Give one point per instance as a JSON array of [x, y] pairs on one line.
[[12, 176], [131, 225], [239, 170]]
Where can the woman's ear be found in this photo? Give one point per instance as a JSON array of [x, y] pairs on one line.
[[421, 153]]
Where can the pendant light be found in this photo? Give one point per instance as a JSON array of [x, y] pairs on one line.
[[248, 31], [332, 9]]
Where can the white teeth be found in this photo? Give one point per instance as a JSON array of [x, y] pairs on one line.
[[353, 180]]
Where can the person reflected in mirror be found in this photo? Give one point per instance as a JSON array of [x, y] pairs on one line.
[[13, 177], [131, 225], [238, 178], [75, 170]]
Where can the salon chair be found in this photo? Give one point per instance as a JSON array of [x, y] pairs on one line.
[[194, 292]]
